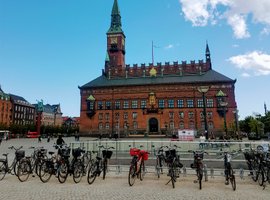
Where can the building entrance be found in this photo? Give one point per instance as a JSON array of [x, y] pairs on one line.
[[153, 125]]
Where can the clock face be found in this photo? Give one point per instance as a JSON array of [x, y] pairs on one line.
[[114, 40]]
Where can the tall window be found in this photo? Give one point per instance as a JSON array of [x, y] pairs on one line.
[[107, 116], [182, 125], [200, 103], [125, 115], [126, 104], [108, 105], [117, 116], [210, 103], [180, 103], [117, 105], [100, 116], [181, 115], [134, 115], [171, 103], [171, 115], [135, 125], [190, 115], [210, 125], [100, 105], [201, 115], [191, 125], [143, 103], [134, 104], [190, 103], [209, 115], [90, 105], [100, 126], [161, 103], [107, 126]]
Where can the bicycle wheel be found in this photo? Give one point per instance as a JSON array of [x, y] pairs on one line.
[[2, 170], [232, 180], [268, 175], [158, 167], [78, 171], [142, 170], [24, 170], [261, 177], [200, 176], [172, 174], [132, 174], [15, 167], [255, 172], [45, 171], [105, 165], [92, 173], [63, 172]]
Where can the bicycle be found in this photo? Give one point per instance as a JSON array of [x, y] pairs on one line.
[[173, 163], [137, 167], [229, 172], [12, 169], [75, 167], [160, 160], [31, 164], [99, 164], [51, 166], [198, 165]]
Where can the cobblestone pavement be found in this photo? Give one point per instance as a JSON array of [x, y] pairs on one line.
[[116, 186]]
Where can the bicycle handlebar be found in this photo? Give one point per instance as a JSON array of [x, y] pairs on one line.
[[16, 149]]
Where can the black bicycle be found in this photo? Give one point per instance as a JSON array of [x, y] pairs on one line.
[[229, 172], [30, 164], [198, 165], [99, 164], [160, 160], [173, 163], [12, 169]]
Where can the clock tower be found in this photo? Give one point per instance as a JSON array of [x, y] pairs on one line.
[[115, 42]]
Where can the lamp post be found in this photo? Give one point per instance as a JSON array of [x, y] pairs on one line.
[[235, 112], [224, 104], [204, 90]]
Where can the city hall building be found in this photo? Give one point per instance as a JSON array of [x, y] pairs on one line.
[[155, 100]]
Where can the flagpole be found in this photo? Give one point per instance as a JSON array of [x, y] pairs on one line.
[[152, 52]]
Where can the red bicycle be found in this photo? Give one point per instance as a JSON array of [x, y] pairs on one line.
[[137, 167]]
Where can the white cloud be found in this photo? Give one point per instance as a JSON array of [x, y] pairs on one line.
[[256, 61], [235, 45], [204, 12], [238, 24], [170, 46], [245, 74], [265, 31]]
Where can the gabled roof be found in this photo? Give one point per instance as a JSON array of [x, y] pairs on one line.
[[210, 76]]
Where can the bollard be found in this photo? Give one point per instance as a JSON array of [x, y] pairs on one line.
[[205, 172], [241, 173], [184, 171], [212, 172]]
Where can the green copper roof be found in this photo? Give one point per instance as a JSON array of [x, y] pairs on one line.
[[107, 59], [116, 25], [220, 94], [91, 98]]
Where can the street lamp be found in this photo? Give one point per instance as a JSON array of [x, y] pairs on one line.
[[224, 104], [203, 90], [235, 112], [166, 127]]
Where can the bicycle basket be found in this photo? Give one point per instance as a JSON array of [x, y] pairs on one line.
[[19, 154], [134, 151], [107, 154], [76, 152], [144, 154], [41, 152], [199, 156], [170, 153]]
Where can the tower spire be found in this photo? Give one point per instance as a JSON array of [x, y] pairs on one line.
[[116, 25], [208, 55]]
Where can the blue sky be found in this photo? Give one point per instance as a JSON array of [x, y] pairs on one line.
[[50, 47]]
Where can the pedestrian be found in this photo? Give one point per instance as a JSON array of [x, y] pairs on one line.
[[39, 138], [0, 140], [60, 140], [48, 138]]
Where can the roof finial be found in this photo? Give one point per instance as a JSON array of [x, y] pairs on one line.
[[116, 25]]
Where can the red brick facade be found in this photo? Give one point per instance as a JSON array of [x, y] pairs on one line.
[[154, 99]]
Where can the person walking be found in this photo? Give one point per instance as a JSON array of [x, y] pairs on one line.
[[60, 140]]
